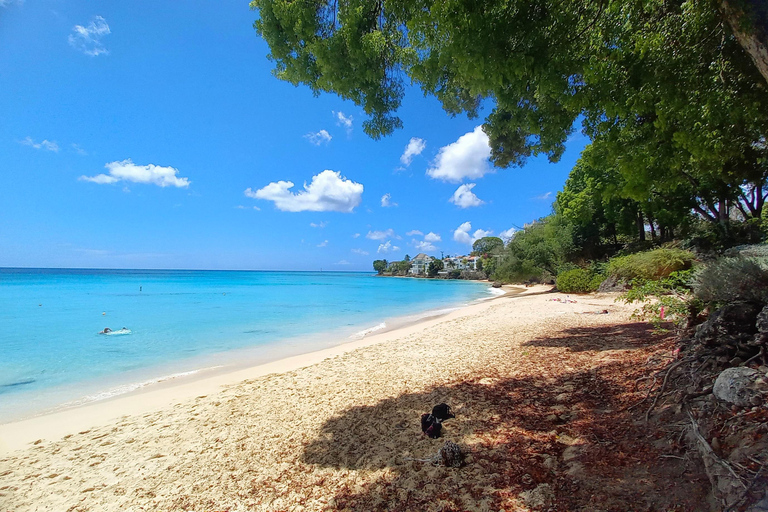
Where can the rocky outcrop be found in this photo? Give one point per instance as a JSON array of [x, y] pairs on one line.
[[732, 324]]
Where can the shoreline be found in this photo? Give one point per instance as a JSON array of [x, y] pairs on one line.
[[88, 389], [52, 425], [537, 384]]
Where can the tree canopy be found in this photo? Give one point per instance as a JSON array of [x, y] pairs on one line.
[[380, 265], [487, 245], [540, 64]]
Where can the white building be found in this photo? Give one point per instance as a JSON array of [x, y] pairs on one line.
[[420, 263], [461, 263]]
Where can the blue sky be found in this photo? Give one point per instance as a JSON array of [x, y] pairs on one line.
[[153, 135]]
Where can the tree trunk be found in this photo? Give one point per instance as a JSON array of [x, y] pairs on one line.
[[653, 228], [749, 21], [640, 227]]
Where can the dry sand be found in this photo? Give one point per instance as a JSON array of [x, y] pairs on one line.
[[338, 429]]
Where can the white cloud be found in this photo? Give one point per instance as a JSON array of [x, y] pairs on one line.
[[507, 234], [414, 232], [423, 246], [432, 237], [381, 235], [387, 247], [356, 235], [318, 224], [463, 236], [386, 201], [241, 207], [360, 251], [328, 191], [544, 197], [80, 151], [318, 138], [88, 39], [343, 262], [323, 243], [45, 144], [415, 147], [464, 197], [465, 158], [342, 120], [6, 3], [149, 174]]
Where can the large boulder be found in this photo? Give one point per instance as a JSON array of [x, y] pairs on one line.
[[733, 323], [738, 386], [612, 284]]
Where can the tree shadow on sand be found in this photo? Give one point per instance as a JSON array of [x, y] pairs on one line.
[[570, 430], [610, 337]]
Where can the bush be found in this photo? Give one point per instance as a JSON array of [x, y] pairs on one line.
[[737, 279], [650, 265], [671, 294], [578, 281]]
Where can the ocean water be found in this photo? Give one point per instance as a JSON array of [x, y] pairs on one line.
[[183, 323]]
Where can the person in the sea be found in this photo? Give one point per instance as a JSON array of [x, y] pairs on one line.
[[106, 330]]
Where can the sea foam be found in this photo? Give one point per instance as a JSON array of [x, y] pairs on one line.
[[366, 332]]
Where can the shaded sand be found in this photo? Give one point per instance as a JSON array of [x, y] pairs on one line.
[[540, 390]]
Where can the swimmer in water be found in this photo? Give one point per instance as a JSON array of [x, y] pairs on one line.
[[106, 330]]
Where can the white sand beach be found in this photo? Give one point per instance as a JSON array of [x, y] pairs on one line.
[[339, 429]]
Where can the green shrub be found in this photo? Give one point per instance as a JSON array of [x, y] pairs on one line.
[[737, 279], [671, 294], [578, 280], [650, 265]]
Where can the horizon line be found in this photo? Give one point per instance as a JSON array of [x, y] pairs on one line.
[[182, 269]]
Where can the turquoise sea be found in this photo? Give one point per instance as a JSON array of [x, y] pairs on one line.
[[183, 323]]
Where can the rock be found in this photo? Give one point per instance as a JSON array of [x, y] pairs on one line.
[[737, 386], [762, 321], [612, 284], [540, 497], [472, 275], [762, 327], [731, 324], [496, 284]]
